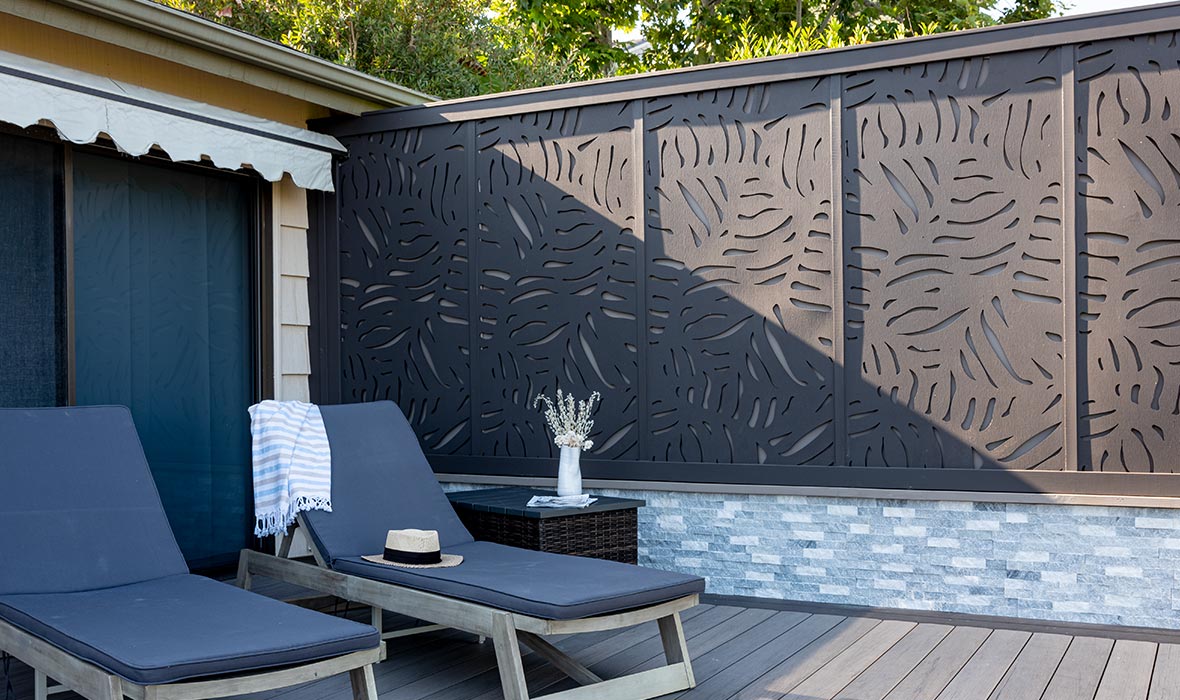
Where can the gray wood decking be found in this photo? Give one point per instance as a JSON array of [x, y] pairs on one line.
[[760, 654]]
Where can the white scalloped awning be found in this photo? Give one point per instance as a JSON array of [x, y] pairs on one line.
[[81, 106]]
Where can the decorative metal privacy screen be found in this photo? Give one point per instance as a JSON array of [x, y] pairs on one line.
[[992, 303]]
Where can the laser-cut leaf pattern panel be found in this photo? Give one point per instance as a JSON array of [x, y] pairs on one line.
[[1129, 254], [404, 279], [556, 258], [739, 281], [729, 329], [952, 263]]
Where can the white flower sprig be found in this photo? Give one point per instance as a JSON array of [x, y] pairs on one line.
[[569, 419]]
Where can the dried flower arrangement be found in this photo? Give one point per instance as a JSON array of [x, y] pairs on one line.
[[569, 419]]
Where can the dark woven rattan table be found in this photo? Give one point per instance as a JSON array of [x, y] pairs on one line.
[[606, 529]]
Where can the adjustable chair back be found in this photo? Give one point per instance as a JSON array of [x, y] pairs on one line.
[[380, 481], [78, 507]]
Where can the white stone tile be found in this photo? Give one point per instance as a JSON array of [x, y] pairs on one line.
[[909, 531], [1124, 571]]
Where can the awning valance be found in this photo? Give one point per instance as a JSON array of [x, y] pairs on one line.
[[81, 106]]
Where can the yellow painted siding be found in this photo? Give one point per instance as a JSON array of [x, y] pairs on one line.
[[83, 53]]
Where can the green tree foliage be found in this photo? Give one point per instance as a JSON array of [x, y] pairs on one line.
[[447, 48], [457, 48], [694, 32], [586, 26]]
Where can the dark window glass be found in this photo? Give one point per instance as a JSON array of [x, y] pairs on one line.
[[32, 357]]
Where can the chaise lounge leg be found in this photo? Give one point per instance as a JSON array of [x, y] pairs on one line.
[[676, 645], [364, 685], [40, 685], [377, 619], [113, 689], [508, 658], [245, 579]]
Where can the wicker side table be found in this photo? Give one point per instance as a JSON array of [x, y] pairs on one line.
[[607, 529]]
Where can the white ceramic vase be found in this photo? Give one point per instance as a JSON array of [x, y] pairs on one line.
[[569, 472]]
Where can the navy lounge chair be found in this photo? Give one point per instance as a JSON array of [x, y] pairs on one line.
[[382, 481], [95, 594]]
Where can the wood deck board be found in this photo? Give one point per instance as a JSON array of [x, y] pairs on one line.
[[779, 680], [987, 666], [730, 654], [1165, 679], [831, 678], [738, 674], [886, 672], [1128, 672], [1030, 674], [759, 654], [1078, 674], [940, 666]]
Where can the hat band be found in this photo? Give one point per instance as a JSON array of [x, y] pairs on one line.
[[403, 557]]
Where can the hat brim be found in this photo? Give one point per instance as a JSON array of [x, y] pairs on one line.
[[448, 560]]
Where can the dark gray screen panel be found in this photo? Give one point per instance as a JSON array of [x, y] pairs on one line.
[[556, 270], [952, 255], [739, 279], [1129, 261], [403, 288], [986, 302]]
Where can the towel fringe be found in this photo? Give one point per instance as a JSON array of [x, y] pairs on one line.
[[276, 523]]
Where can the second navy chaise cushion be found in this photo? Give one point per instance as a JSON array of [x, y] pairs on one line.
[[540, 584], [88, 562], [182, 627]]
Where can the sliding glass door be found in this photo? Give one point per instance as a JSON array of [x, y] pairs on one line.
[[162, 304], [163, 321]]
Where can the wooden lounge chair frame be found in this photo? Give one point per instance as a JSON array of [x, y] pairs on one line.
[[94, 683], [506, 629]]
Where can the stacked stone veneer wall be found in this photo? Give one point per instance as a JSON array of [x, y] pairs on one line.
[[1110, 565]]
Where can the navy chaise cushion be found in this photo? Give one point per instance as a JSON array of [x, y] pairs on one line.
[[382, 481], [539, 584], [79, 507], [182, 627], [88, 562]]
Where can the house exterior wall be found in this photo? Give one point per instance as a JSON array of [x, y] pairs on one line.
[[38, 38], [85, 53], [292, 360], [1075, 563]]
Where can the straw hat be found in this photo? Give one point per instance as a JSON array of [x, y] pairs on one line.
[[414, 549]]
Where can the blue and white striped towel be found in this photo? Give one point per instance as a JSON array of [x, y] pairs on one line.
[[292, 464]]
